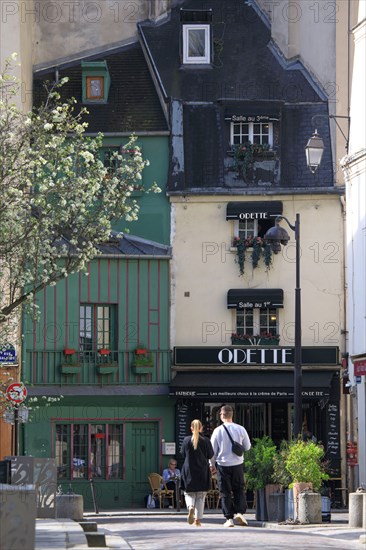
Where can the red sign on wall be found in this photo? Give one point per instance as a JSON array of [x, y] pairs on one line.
[[359, 367]]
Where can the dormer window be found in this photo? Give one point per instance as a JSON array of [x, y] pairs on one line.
[[196, 35], [96, 81], [196, 44], [260, 133], [94, 87]]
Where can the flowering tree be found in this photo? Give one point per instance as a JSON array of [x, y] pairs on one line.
[[57, 200]]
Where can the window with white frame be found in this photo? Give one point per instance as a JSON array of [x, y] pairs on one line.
[[89, 450], [196, 44], [257, 321], [260, 133], [245, 229]]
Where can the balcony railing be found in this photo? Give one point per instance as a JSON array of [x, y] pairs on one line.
[[73, 367]]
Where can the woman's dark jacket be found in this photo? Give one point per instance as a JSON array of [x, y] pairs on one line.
[[195, 473]]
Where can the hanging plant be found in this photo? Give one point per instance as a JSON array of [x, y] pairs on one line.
[[259, 248], [245, 154]]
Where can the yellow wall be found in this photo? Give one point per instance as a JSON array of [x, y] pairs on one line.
[[204, 266]]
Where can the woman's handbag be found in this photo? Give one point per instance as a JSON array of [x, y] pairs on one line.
[[236, 447]]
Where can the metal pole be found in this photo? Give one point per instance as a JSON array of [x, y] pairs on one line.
[[297, 363], [16, 435]]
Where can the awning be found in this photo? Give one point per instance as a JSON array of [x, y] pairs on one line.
[[239, 298], [261, 210], [250, 386]]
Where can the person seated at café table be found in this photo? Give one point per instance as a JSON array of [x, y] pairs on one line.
[[170, 475]]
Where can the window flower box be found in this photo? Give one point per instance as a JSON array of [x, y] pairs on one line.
[[70, 368], [107, 368], [264, 339], [143, 363]]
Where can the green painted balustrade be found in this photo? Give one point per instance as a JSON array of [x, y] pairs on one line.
[[77, 368]]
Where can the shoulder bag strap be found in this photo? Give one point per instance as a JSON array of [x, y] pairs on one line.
[[228, 433]]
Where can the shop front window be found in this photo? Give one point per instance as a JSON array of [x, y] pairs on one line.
[[83, 451]]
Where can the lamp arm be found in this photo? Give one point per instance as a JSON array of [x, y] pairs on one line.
[[346, 137], [279, 218]]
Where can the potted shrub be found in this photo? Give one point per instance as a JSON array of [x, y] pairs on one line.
[[282, 477], [258, 465], [305, 466]]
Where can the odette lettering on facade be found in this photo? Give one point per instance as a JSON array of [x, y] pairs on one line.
[[255, 356]]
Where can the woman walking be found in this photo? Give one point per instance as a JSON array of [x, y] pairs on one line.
[[195, 475]]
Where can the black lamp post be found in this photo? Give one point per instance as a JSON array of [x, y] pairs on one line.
[[276, 236]]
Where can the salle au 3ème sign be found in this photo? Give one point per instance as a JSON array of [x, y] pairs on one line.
[[254, 356]]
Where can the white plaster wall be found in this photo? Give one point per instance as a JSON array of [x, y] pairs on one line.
[[205, 268], [16, 37], [64, 29], [355, 172], [292, 23]]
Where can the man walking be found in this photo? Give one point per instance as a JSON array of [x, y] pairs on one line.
[[229, 467]]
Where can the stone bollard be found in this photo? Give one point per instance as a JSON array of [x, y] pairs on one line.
[[364, 512], [276, 508], [355, 508], [70, 507], [310, 507], [18, 510]]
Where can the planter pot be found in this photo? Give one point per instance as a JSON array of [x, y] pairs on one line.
[[104, 351], [261, 513], [68, 368], [142, 369], [239, 342], [289, 504], [140, 351], [326, 515], [255, 341], [107, 368], [276, 508], [269, 489]]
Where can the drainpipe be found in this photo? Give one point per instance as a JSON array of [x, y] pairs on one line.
[[346, 400]]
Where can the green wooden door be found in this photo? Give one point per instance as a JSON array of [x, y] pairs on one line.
[[144, 458]]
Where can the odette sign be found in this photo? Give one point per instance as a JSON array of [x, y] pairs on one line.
[[255, 356]]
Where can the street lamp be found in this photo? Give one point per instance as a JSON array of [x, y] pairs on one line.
[[276, 236], [314, 150]]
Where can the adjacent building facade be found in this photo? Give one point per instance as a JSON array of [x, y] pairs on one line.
[[354, 168], [240, 119]]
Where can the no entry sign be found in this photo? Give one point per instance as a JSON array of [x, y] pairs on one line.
[[16, 392]]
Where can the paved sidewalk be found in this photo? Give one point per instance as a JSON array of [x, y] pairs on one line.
[[64, 534], [59, 534]]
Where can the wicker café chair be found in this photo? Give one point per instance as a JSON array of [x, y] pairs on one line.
[[160, 490]]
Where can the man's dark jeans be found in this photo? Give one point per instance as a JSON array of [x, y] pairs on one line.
[[230, 480]]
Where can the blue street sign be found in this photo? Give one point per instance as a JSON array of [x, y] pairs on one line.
[[358, 379], [7, 353]]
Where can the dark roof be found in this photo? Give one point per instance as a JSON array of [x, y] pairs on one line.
[[244, 66], [130, 245], [248, 76], [133, 104], [122, 244]]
